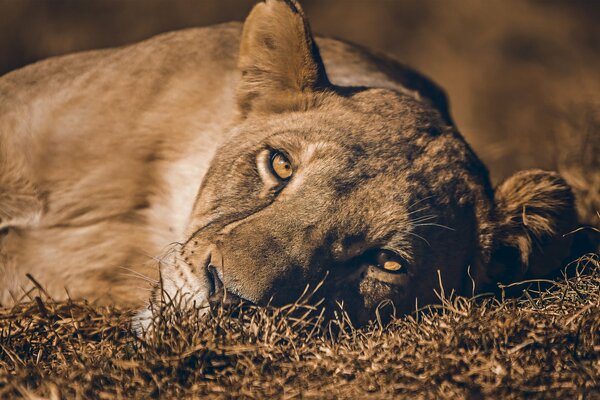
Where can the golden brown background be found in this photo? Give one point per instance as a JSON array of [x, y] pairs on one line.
[[523, 77]]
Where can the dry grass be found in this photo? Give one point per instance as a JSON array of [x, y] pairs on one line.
[[545, 344]]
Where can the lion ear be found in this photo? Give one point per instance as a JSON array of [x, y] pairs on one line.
[[535, 212], [278, 59]]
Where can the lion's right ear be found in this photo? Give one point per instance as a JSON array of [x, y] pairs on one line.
[[535, 212], [279, 60]]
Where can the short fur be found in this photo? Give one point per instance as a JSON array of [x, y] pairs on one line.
[[108, 157]]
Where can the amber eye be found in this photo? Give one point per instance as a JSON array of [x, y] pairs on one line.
[[390, 262], [281, 166]]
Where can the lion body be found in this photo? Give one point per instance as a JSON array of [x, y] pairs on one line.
[[114, 162], [102, 153]]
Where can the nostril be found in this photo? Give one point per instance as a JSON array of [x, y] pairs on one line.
[[215, 282], [219, 295]]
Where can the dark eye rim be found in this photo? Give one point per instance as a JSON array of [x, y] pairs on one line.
[[274, 153]]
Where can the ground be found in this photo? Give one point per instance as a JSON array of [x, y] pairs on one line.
[[544, 344]]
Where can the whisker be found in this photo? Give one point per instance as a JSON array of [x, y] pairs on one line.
[[137, 274], [416, 211], [420, 201], [139, 277], [170, 249], [145, 289], [423, 219], [420, 237], [438, 225], [159, 259], [166, 254], [147, 279]]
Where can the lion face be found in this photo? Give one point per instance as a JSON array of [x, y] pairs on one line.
[[370, 191]]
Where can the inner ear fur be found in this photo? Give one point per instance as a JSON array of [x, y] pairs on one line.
[[535, 212], [279, 60]]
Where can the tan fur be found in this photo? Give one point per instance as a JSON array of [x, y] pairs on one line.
[[117, 161], [536, 210]]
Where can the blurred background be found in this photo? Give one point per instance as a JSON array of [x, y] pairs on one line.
[[523, 76]]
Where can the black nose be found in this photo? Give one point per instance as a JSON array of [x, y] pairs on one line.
[[218, 293]]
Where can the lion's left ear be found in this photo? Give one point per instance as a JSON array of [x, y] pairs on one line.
[[535, 212], [279, 59]]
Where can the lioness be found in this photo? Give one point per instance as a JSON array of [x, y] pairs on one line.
[[260, 160]]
